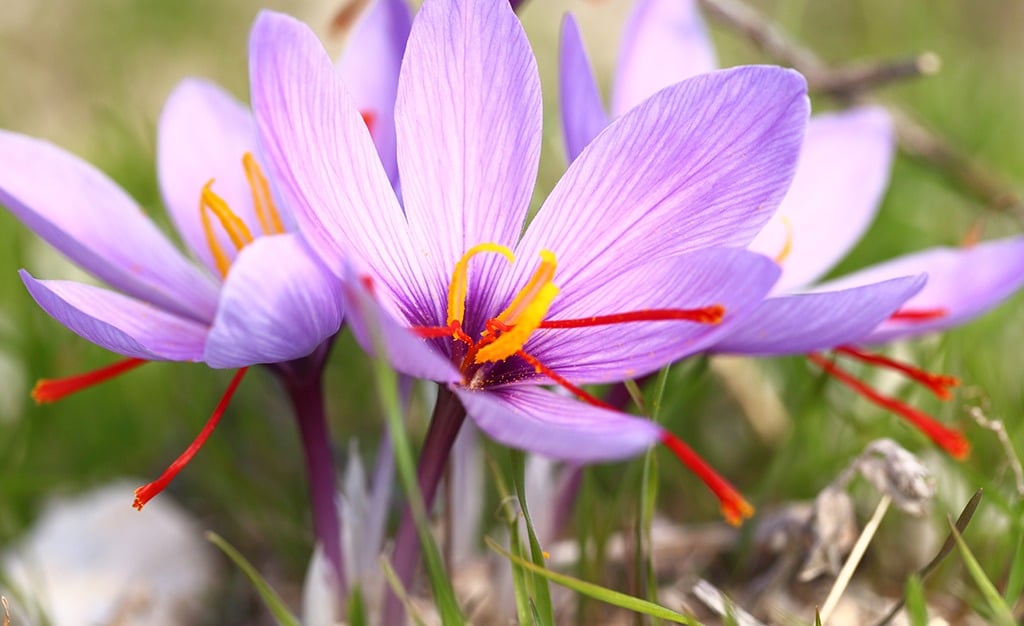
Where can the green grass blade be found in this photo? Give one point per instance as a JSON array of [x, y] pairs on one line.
[[1001, 613], [541, 593], [396, 585], [597, 592], [1015, 581], [917, 608], [274, 603]]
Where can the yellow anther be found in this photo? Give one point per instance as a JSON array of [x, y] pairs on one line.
[[262, 198], [459, 285], [787, 247], [526, 312], [542, 276], [237, 231]]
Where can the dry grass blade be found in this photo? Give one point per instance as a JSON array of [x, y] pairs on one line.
[[961, 525], [7, 611], [853, 560]]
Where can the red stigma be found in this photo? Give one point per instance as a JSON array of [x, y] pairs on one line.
[[938, 384], [918, 315], [370, 119], [51, 390], [950, 440], [707, 315], [147, 492], [734, 507]]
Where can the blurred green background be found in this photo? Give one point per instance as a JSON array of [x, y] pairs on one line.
[[91, 76]]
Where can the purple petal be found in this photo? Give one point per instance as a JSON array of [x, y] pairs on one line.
[[665, 42], [79, 211], [469, 129], [803, 323], [962, 282], [203, 135], [370, 64], [543, 422], [840, 180], [583, 114], [734, 278], [407, 353], [278, 304], [325, 164], [701, 164], [118, 323]]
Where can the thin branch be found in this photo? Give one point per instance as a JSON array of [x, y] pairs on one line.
[[997, 427], [973, 178]]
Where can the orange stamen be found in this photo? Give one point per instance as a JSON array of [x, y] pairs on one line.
[[918, 315], [540, 368], [734, 507], [787, 247], [939, 384], [532, 291], [51, 390], [147, 492], [952, 441], [459, 286], [262, 198], [237, 231], [707, 315]]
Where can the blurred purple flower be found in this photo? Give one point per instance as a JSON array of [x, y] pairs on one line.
[[647, 224]]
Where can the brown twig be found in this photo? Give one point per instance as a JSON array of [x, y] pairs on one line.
[[997, 427], [973, 178]]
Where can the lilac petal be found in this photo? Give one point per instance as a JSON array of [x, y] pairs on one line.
[[583, 114], [79, 211], [963, 282], [840, 180], [543, 422], [325, 164], [278, 304], [734, 278], [407, 353], [803, 323], [118, 323], [370, 64], [469, 130], [203, 135], [665, 42], [703, 163]]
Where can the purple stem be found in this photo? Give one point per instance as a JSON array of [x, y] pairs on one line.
[[444, 427], [303, 381]]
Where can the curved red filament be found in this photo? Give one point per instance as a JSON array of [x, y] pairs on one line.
[[51, 390], [540, 368], [918, 315], [734, 507], [939, 384], [707, 315], [147, 492], [950, 440]]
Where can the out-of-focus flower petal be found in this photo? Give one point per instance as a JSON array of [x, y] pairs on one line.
[[202, 136], [406, 352], [665, 42], [701, 164], [325, 165], [583, 114], [557, 426], [79, 211], [840, 180], [278, 303], [370, 64], [962, 282], [797, 324], [734, 278], [118, 323], [469, 129]]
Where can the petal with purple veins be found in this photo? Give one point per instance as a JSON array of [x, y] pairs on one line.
[[278, 304], [802, 323], [118, 323], [560, 427], [82, 213]]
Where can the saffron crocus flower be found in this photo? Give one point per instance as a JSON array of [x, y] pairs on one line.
[[256, 295], [839, 183]]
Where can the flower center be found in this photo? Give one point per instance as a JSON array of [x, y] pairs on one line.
[[212, 206]]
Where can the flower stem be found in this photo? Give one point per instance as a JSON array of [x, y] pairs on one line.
[[303, 381], [444, 426]]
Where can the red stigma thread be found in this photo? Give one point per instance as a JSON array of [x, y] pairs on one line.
[[51, 390], [147, 492], [540, 368], [734, 507], [707, 315], [952, 441], [370, 119], [918, 315], [939, 384]]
